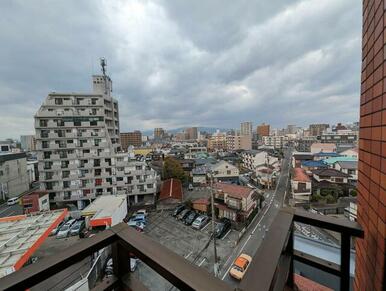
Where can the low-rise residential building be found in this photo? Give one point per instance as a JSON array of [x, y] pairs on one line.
[[353, 153], [199, 175], [14, 179], [234, 202], [351, 211], [224, 172], [350, 168], [331, 179], [201, 205], [266, 177], [255, 158], [323, 147], [275, 141], [309, 166], [35, 202], [325, 155], [330, 162], [171, 194], [301, 186], [299, 157], [187, 165]]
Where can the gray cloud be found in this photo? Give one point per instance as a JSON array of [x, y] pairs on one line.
[[180, 63]]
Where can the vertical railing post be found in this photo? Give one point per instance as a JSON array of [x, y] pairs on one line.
[[345, 262], [121, 260], [290, 251]]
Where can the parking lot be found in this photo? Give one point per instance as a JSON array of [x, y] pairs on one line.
[[190, 243]]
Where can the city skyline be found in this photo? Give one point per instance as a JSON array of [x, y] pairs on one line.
[[161, 84]]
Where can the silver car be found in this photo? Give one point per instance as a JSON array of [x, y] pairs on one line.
[[200, 221], [65, 229]]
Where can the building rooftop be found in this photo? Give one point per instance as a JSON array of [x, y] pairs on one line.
[[233, 190], [300, 175], [307, 163], [331, 161], [104, 206], [330, 173], [327, 154], [22, 235], [171, 188], [352, 165], [11, 156]]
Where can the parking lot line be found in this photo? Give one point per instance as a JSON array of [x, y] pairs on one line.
[[203, 260], [188, 255], [205, 226], [226, 234]]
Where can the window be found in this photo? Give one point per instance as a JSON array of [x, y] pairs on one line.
[[43, 123], [44, 201], [58, 101]]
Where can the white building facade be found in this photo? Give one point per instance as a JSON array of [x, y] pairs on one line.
[[77, 142]]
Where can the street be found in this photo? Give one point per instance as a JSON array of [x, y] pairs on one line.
[[12, 210], [255, 234]]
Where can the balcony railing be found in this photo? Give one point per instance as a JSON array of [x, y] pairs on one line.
[[271, 269], [124, 240]]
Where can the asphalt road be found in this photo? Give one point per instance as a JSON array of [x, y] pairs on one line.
[[255, 233], [12, 210]]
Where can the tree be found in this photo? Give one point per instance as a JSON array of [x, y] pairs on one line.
[[173, 169]]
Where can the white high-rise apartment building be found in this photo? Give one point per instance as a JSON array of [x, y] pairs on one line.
[[77, 140], [246, 128]]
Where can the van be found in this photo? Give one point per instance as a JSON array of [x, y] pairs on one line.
[[13, 201]]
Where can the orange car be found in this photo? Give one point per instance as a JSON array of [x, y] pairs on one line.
[[240, 266]]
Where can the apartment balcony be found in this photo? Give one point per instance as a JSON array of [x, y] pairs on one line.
[[121, 183], [272, 267]]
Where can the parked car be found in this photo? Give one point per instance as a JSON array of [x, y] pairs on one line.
[[139, 218], [190, 187], [222, 227], [190, 218], [12, 201], [138, 225], [184, 213], [56, 229], [178, 210], [200, 221], [142, 212], [77, 227], [64, 231], [240, 266]]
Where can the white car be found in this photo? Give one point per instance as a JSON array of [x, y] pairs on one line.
[[64, 231], [12, 201], [142, 212]]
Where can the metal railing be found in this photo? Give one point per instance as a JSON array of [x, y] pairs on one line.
[[271, 269]]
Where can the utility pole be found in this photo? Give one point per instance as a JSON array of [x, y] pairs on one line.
[[215, 266]]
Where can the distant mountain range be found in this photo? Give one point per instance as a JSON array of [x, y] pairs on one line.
[[180, 129]]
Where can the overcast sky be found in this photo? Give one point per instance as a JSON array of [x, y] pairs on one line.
[[182, 63]]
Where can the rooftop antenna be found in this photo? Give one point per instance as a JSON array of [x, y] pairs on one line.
[[103, 65]]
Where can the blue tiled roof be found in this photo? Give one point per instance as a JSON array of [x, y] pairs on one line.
[[324, 154], [313, 164]]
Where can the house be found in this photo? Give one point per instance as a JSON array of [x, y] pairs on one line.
[[299, 157], [171, 194], [266, 177], [330, 179], [255, 158], [199, 175], [224, 172], [325, 155], [323, 147], [187, 165], [301, 186], [35, 202], [309, 166], [352, 152], [330, 162], [235, 202], [350, 168], [201, 205]]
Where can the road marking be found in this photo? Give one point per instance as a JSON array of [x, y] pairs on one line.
[[202, 262], [226, 234], [205, 226], [188, 255], [5, 209]]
